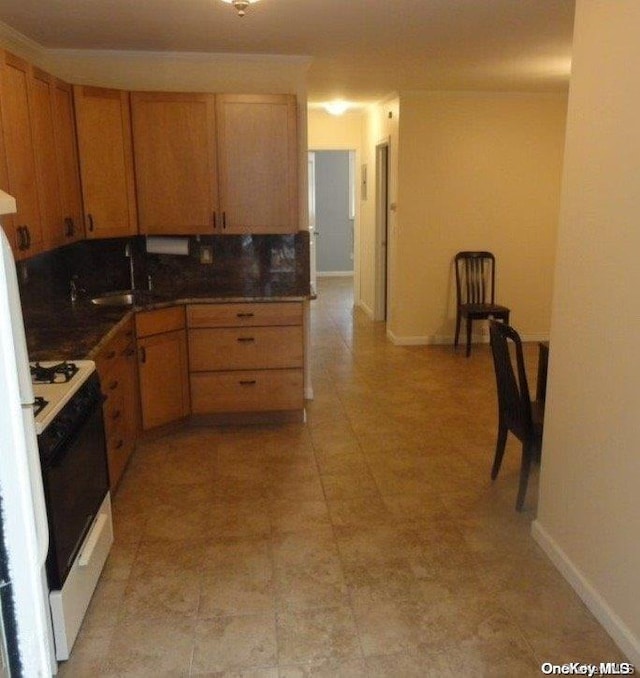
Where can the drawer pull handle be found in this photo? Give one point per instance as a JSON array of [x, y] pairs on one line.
[[119, 444], [246, 339], [116, 415], [111, 355], [113, 385], [247, 382], [245, 315], [143, 354]]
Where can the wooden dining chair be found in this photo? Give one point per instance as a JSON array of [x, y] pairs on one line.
[[475, 291], [516, 412]]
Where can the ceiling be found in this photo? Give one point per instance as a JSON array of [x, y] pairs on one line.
[[361, 50]]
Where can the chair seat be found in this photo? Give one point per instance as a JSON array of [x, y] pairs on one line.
[[483, 310]]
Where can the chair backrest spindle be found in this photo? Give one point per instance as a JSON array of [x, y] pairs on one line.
[[475, 274]]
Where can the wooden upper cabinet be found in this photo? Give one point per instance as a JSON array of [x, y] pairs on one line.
[[19, 148], [257, 163], [106, 161], [64, 127], [41, 108], [174, 145]]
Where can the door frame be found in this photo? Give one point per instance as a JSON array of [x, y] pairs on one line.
[[311, 179]]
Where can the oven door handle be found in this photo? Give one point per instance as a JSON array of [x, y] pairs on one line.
[[92, 540]]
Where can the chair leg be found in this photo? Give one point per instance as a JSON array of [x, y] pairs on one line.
[[525, 467], [458, 319], [500, 445], [469, 326]]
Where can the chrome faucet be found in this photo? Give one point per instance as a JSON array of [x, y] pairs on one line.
[[74, 289], [129, 254]]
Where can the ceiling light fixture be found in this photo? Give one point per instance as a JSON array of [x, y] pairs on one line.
[[336, 107], [240, 5]]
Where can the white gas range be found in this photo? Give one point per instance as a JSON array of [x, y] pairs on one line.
[[72, 448]]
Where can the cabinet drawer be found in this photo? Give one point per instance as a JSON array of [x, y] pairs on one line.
[[160, 320], [244, 315], [246, 391], [242, 349], [114, 349]]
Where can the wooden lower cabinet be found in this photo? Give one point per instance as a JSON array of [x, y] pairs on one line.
[[162, 366], [117, 367], [246, 357]]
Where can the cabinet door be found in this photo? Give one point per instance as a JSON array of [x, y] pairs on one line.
[[20, 157], [175, 162], [64, 128], [164, 388], [106, 161], [41, 106], [257, 163]]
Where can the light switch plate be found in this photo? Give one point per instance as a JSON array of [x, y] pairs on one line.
[[206, 254]]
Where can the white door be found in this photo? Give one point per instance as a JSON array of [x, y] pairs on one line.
[[311, 176]]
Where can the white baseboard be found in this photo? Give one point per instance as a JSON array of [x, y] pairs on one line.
[[615, 627], [334, 274], [439, 339], [369, 311]]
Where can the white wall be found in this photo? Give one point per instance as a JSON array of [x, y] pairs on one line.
[[589, 505], [476, 171]]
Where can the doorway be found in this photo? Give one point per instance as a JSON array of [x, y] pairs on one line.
[[332, 211], [382, 232]]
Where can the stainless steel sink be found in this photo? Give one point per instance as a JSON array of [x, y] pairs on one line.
[[122, 298]]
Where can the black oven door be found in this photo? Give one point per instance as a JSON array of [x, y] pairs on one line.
[[75, 476]]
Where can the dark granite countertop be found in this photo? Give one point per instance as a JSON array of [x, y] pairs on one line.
[[74, 330]]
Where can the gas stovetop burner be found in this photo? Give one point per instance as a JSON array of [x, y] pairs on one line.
[[58, 373], [39, 404]]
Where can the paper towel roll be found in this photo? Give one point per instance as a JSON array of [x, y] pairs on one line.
[[160, 245]]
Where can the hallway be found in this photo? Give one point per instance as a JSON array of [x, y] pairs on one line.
[[368, 542]]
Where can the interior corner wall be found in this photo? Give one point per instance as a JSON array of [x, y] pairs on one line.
[[589, 504], [476, 171]]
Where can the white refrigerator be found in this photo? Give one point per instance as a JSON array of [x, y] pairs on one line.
[[26, 620]]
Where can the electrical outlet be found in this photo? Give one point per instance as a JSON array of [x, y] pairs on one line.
[[206, 254]]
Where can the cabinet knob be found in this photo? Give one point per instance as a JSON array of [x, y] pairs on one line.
[[90, 220]]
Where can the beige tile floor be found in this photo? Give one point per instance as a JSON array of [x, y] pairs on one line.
[[369, 541]]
